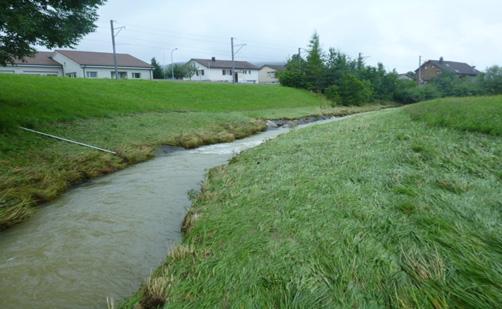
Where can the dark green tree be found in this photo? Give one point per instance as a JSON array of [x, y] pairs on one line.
[[294, 74], [49, 23], [158, 73], [315, 68], [492, 80]]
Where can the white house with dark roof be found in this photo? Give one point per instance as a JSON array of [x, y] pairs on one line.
[[221, 71], [40, 64], [72, 63]]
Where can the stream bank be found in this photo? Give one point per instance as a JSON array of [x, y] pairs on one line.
[[104, 237]]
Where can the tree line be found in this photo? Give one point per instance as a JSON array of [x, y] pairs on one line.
[[348, 81]]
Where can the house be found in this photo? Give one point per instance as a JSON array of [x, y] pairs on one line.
[[268, 73], [433, 68], [40, 64], [221, 71], [72, 63]]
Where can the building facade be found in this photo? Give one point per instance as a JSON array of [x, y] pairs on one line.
[[268, 73], [221, 71], [433, 68], [79, 64], [40, 64]]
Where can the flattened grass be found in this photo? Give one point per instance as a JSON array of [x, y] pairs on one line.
[[373, 211]]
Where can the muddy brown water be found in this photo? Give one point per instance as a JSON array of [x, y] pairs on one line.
[[103, 238]]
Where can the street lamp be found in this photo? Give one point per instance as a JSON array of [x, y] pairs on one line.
[[172, 63]]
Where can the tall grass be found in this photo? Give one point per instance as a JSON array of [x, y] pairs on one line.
[[477, 114], [375, 211]]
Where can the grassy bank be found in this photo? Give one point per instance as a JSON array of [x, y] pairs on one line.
[[32, 100], [130, 117], [387, 209]]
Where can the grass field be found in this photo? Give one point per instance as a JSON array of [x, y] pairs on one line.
[[397, 208], [130, 117], [31, 100]]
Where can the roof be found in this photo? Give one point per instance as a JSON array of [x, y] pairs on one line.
[[277, 67], [460, 68], [225, 64], [40, 58], [103, 59]]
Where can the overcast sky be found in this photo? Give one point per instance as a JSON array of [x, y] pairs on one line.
[[389, 31]]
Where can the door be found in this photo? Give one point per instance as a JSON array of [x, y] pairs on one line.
[[236, 77]]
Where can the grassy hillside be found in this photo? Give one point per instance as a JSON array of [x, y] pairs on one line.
[[478, 114], [130, 117], [30, 100], [397, 208]]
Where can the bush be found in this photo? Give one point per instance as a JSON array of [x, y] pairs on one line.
[[409, 92], [332, 94], [350, 91]]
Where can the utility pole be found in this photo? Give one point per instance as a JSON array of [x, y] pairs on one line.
[[113, 43], [172, 62], [419, 73], [233, 59], [299, 52], [234, 52], [114, 51]]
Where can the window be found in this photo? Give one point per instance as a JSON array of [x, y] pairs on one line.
[[71, 75], [202, 72], [122, 75], [91, 74], [224, 72], [136, 75]]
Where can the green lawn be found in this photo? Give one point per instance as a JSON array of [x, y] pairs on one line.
[[396, 208], [130, 117], [31, 100]]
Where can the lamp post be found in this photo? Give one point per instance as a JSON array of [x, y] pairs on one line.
[[172, 62]]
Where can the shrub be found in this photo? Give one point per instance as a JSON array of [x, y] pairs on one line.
[[409, 92], [350, 91], [332, 94]]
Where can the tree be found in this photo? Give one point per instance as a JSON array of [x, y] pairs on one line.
[[294, 73], [180, 71], [158, 73], [492, 80], [49, 23], [315, 68]]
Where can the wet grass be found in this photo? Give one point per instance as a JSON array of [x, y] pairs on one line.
[[378, 210], [37, 169]]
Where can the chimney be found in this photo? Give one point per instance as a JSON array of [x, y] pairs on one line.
[[213, 59], [441, 60]]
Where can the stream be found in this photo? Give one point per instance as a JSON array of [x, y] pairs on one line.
[[104, 238]]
